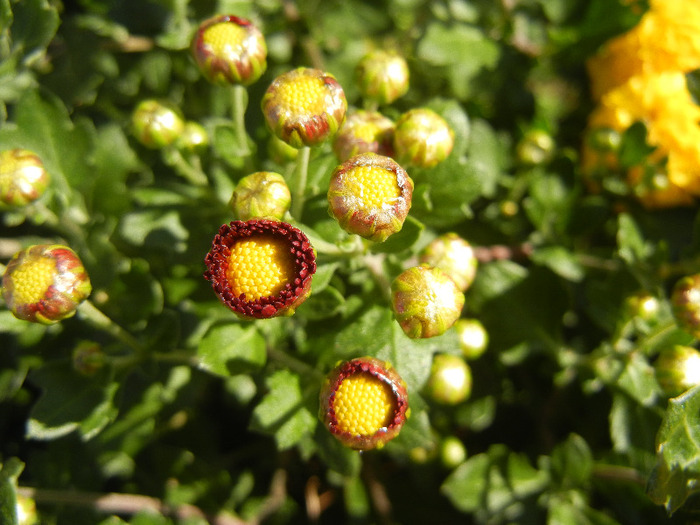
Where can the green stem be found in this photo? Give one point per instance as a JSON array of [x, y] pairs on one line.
[[293, 363], [90, 313], [185, 169], [300, 175], [239, 104]]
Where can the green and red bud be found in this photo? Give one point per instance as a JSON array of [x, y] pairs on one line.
[[473, 338], [364, 132], [264, 194], [685, 300], [382, 76], [45, 283], [425, 301], [156, 124], [450, 380], [677, 369], [454, 256], [229, 50], [23, 178], [422, 138]]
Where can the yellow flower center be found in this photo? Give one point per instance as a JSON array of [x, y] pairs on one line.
[[260, 267], [32, 279], [363, 405], [304, 94], [373, 187], [224, 39]]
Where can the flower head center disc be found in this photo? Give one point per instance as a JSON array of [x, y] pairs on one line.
[[225, 39], [373, 187], [32, 279], [364, 404], [304, 95], [260, 267]]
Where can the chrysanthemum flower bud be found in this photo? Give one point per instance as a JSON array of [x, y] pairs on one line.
[[643, 305], [261, 195], [425, 301], [536, 147], [45, 283], [364, 403], [88, 358], [677, 369], [26, 511], [383, 76], [23, 178], [156, 124], [304, 107], [604, 140], [454, 256], [473, 337], [364, 132], [194, 138], [685, 300], [370, 195], [260, 268], [230, 50], [422, 138], [452, 452], [450, 380]]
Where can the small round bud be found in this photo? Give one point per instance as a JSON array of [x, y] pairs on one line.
[[23, 178], [536, 147], [229, 50], [643, 305], [304, 107], [45, 283], [26, 511], [450, 380], [454, 256], [677, 369], [364, 132], [370, 195], [88, 358], [156, 124], [452, 452], [383, 76], [260, 268], [194, 138], [685, 300], [604, 140], [422, 138], [473, 337], [261, 195], [364, 403], [425, 301]]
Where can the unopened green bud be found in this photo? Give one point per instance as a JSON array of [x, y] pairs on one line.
[[261, 195], [26, 511], [422, 138], [678, 369], [23, 178], [536, 147], [230, 50], [473, 337], [370, 195], [454, 256], [643, 305], [383, 76], [452, 452], [156, 124], [194, 138], [45, 283], [364, 132], [604, 140], [425, 301], [88, 358], [685, 300], [450, 380]]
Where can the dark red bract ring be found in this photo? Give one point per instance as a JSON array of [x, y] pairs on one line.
[[260, 268]]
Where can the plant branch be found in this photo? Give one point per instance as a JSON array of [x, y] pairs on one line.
[[300, 175], [90, 313]]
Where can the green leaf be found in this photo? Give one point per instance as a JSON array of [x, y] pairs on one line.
[[572, 463], [403, 240], [284, 412], [561, 261], [34, 26], [156, 229], [460, 44], [632, 247], [232, 349]]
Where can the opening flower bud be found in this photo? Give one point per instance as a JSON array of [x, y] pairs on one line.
[[156, 124], [450, 380], [473, 337], [230, 50], [422, 138], [23, 178], [685, 300], [304, 107], [45, 283], [677, 369], [383, 76], [364, 403], [370, 195], [260, 268], [364, 132], [261, 195], [425, 301], [454, 256]]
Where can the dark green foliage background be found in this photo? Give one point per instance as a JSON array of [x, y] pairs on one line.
[[563, 422]]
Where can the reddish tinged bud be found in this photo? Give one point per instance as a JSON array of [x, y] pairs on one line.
[[304, 107], [422, 138], [454, 256], [230, 50], [156, 124], [364, 132], [450, 380], [677, 369], [685, 300], [383, 76], [370, 195], [364, 403], [425, 301], [23, 178], [261, 195], [45, 283], [260, 268]]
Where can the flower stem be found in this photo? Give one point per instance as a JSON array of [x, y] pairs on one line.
[[293, 363], [239, 104], [300, 175], [193, 175], [90, 313]]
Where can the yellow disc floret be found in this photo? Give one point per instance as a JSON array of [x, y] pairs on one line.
[[373, 187], [260, 267], [32, 279], [364, 405], [224, 38], [304, 94]]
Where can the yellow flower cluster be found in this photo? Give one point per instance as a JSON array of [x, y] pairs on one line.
[[640, 77]]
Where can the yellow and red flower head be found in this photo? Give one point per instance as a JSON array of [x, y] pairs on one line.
[[260, 268]]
